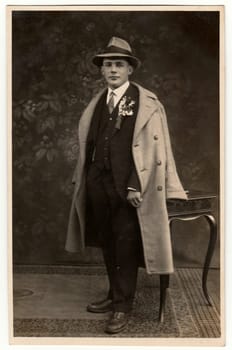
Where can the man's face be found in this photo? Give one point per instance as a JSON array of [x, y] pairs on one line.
[[116, 72]]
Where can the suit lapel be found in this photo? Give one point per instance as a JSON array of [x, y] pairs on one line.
[[115, 112]]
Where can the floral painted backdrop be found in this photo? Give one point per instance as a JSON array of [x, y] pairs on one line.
[[53, 81]]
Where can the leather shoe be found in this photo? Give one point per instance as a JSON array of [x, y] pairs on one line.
[[117, 323], [101, 306]]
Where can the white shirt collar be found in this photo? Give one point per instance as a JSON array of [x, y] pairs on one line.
[[118, 93]]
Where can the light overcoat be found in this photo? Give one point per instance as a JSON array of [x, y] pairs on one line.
[[154, 163]]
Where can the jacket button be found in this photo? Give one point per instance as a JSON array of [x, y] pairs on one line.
[[159, 188], [158, 162], [136, 145], [156, 137]]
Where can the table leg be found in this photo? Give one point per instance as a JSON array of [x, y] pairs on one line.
[[212, 241], [164, 284]]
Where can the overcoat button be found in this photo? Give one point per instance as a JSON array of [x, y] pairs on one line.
[[136, 145], [156, 137], [158, 162], [159, 188]]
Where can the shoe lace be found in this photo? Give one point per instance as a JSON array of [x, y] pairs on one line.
[[118, 315]]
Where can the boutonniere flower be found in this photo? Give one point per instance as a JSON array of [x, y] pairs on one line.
[[125, 109]]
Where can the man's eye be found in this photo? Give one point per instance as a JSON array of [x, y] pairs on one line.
[[117, 64], [107, 64]]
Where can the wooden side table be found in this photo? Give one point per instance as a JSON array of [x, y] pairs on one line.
[[199, 204]]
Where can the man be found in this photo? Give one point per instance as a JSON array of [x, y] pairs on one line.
[[124, 174]]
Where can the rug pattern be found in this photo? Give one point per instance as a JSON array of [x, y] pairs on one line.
[[206, 317], [186, 314]]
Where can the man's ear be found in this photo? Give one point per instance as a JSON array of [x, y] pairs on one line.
[[130, 69], [102, 70]]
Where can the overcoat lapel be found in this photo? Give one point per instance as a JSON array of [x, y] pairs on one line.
[[145, 111], [83, 130], [86, 117]]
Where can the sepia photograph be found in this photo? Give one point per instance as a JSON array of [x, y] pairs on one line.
[[115, 129]]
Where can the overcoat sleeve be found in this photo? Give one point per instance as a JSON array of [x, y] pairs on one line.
[[174, 188]]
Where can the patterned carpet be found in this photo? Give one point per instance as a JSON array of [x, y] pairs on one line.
[[186, 313], [206, 318]]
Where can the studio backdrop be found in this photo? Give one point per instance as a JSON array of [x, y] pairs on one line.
[[53, 81]]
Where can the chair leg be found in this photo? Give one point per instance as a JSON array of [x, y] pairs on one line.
[[164, 284]]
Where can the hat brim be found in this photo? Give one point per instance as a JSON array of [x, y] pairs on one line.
[[98, 59]]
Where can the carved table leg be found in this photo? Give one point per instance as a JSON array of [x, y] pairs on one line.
[[164, 284], [212, 241]]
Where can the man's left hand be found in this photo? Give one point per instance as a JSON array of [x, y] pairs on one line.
[[134, 197]]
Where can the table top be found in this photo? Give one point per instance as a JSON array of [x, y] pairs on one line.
[[198, 202], [198, 194]]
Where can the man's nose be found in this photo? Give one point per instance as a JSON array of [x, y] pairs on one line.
[[113, 67]]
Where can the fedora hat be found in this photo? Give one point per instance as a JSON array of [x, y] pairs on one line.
[[119, 48]]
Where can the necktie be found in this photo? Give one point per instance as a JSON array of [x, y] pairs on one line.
[[111, 102]]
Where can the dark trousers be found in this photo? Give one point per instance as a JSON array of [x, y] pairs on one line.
[[119, 235]]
